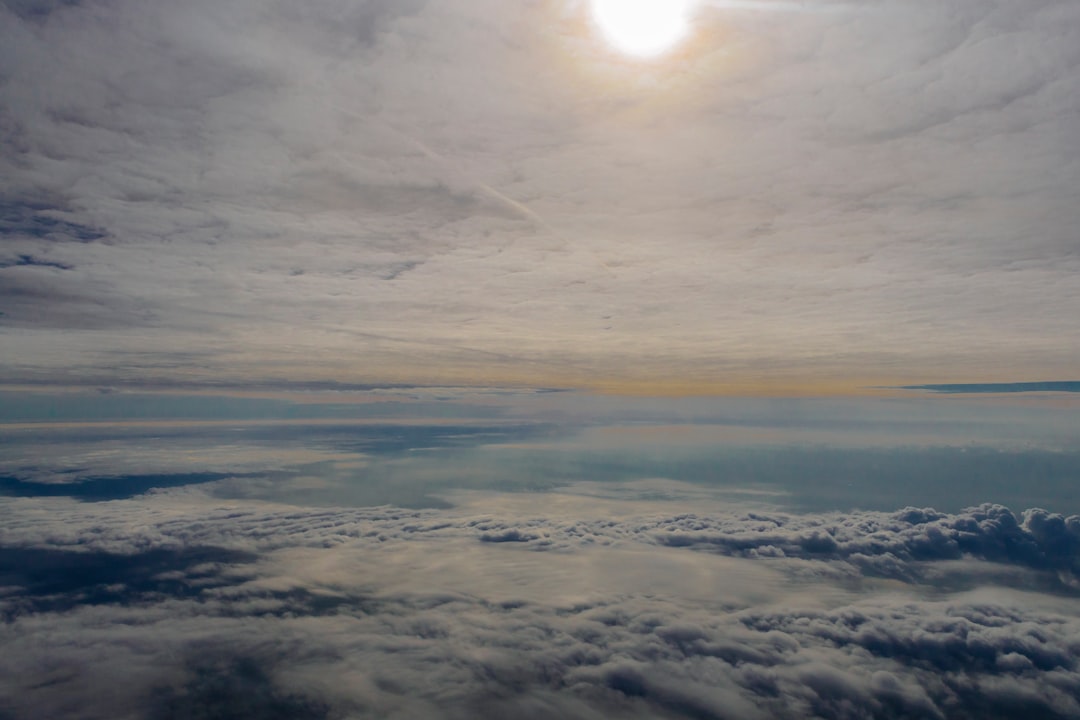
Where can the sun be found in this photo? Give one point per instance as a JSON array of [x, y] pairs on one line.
[[643, 28]]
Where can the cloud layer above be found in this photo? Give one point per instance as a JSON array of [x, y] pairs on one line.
[[375, 191]]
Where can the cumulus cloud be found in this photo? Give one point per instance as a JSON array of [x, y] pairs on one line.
[[887, 542], [361, 194], [308, 613], [485, 610]]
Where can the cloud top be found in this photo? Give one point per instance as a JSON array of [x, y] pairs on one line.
[[282, 612]]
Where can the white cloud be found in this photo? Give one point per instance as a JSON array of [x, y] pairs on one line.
[[434, 190], [383, 612]]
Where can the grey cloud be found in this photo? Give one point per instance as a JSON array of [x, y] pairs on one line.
[[37, 9], [886, 543], [902, 545], [39, 220], [980, 388], [52, 580], [512, 535], [895, 545], [210, 610], [238, 688], [639, 656], [909, 161], [960, 643], [35, 299], [31, 261], [99, 489]]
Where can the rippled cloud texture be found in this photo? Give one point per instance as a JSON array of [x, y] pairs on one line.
[[371, 191], [524, 559], [498, 610], [333, 336]]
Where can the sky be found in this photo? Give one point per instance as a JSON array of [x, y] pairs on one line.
[[798, 198], [473, 359]]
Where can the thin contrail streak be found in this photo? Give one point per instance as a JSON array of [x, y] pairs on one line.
[[514, 205], [509, 202], [491, 192]]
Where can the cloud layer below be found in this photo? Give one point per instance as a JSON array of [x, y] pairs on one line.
[[534, 606], [558, 560]]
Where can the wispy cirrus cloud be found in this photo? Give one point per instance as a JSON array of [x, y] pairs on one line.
[[473, 190]]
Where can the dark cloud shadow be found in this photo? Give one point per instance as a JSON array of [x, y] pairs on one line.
[[232, 689], [100, 489], [32, 261], [32, 219], [50, 580], [1070, 386], [37, 9]]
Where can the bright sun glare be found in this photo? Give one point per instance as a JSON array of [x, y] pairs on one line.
[[644, 28]]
